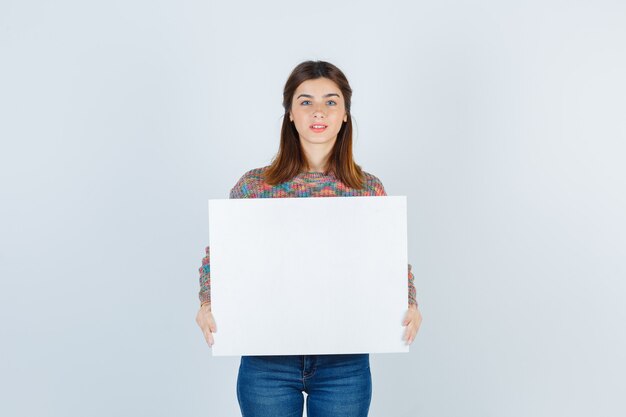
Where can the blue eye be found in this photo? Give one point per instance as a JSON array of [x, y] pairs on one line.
[[305, 102], [331, 102]]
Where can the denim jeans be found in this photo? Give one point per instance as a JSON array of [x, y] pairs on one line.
[[336, 385]]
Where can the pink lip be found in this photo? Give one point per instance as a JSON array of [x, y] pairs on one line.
[[317, 130]]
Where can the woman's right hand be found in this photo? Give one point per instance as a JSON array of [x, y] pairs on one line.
[[205, 320]]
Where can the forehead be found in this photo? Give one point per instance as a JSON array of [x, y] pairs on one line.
[[317, 87]]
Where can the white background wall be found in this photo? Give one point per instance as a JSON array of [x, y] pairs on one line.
[[503, 123]]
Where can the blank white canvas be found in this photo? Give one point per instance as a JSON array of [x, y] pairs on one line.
[[293, 276]]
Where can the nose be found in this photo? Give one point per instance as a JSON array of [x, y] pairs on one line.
[[318, 112]]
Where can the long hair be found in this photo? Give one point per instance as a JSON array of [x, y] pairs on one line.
[[290, 159]]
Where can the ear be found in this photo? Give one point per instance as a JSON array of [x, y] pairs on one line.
[[345, 118], [290, 117]]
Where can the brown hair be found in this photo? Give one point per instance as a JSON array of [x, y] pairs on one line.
[[290, 160]]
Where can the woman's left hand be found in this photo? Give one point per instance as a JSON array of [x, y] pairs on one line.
[[412, 321]]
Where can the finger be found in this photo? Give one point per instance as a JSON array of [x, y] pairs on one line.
[[414, 330], [407, 318], [406, 334], [209, 338], [418, 323], [212, 325], [407, 337], [411, 335]]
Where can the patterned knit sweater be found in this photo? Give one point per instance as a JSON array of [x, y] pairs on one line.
[[306, 184]]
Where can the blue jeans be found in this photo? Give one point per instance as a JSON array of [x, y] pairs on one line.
[[336, 385]]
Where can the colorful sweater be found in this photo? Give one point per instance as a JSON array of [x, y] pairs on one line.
[[306, 184]]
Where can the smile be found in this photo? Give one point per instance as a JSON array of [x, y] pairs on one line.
[[318, 127]]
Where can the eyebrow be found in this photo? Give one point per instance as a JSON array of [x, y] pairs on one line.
[[325, 95]]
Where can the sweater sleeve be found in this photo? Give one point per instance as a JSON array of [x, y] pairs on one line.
[[377, 189], [238, 191], [412, 292], [205, 279]]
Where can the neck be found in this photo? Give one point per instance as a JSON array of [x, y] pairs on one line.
[[317, 155]]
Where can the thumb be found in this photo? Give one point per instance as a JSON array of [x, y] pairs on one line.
[[405, 321]]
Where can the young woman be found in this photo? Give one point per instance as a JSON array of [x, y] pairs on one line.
[[314, 160]]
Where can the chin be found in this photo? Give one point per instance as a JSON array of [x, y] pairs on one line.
[[318, 140], [321, 139]]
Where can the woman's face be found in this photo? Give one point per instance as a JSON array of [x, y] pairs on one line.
[[318, 111]]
